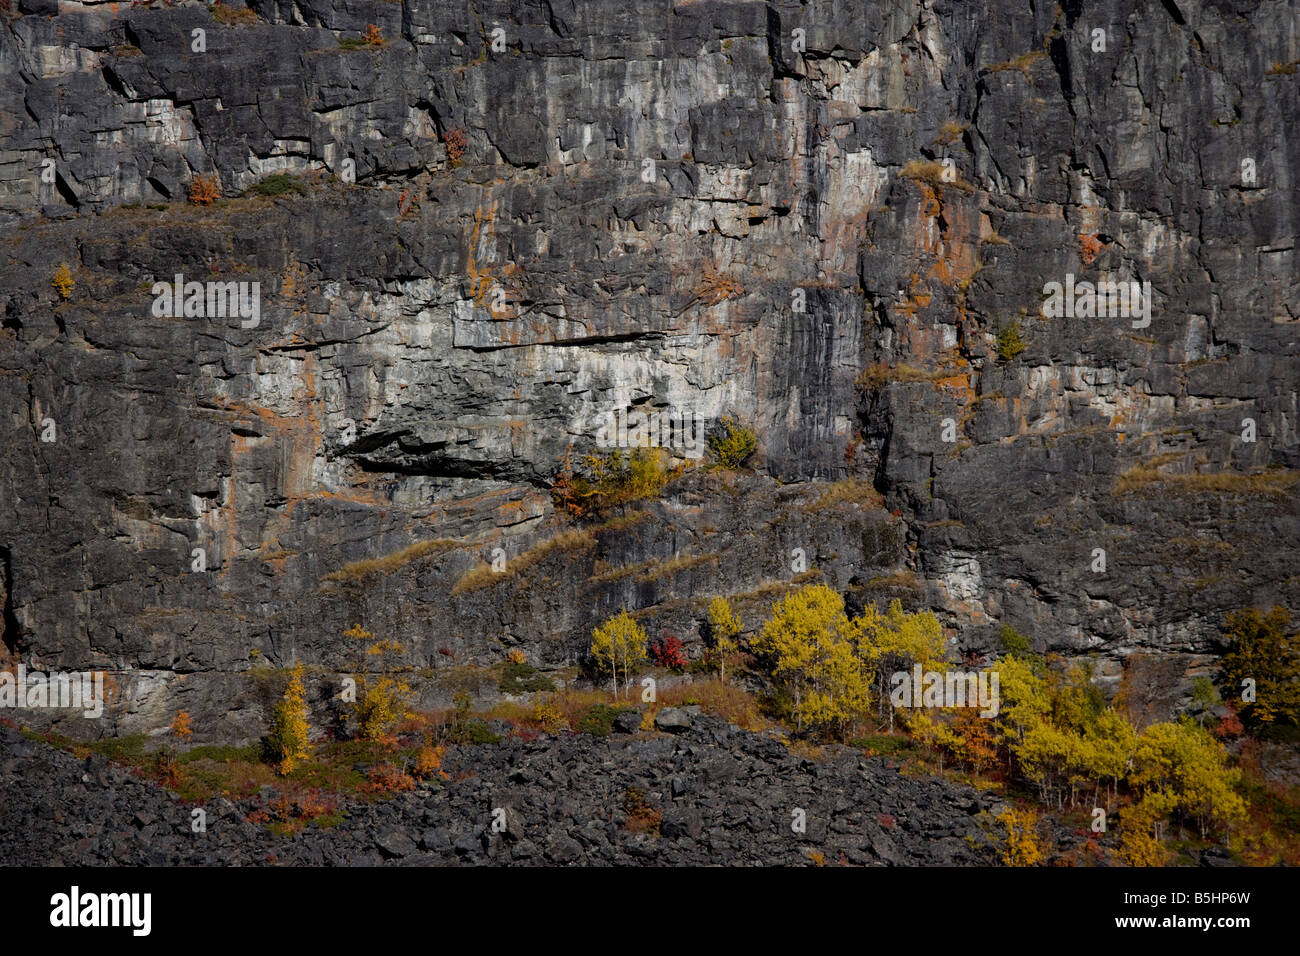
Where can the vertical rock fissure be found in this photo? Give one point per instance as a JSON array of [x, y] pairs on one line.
[[8, 620]]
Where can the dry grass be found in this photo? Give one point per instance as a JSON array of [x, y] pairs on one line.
[[482, 575], [770, 590], [899, 580], [602, 573], [675, 565], [389, 563], [931, 173], [232, 16], [879, 375], [1163, 458], [1023, 63], [564, 707], [651, 570], [655, 611], [847, 491], [726, 700], [620, 523], [950, 132], [1274, 483], [715, 287]]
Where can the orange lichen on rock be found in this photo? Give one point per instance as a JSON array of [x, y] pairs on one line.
[[1089, 248]]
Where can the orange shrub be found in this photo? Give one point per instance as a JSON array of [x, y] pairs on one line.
[[456, 142], [428, 763], [386, 778], [205, 190], [312, 804], [642, 817], [407, 203], [1089, 247]]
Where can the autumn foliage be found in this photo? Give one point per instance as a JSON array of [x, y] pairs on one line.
[[204, 190], [456, 141], [667, 652], [1023, 846], [1265, 658], [63, 282], [428, 762], [383, 700], [724, 626], [1089, 247], [734, 445], [387, 778], [287, 743], [642, 816], [1052, 728], [618, 643]]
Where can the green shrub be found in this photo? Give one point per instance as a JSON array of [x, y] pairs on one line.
[[519, 678], [599, 721], [1205, 697], [472, 733], [124, 750], [278, 184], [734, 445], [1266, 650], [1010, 342], [1014, 644]]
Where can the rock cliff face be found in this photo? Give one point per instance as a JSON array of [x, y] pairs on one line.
[[834, 221]]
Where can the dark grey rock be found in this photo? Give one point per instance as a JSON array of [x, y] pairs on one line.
[[672, 720], [627, 722]]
